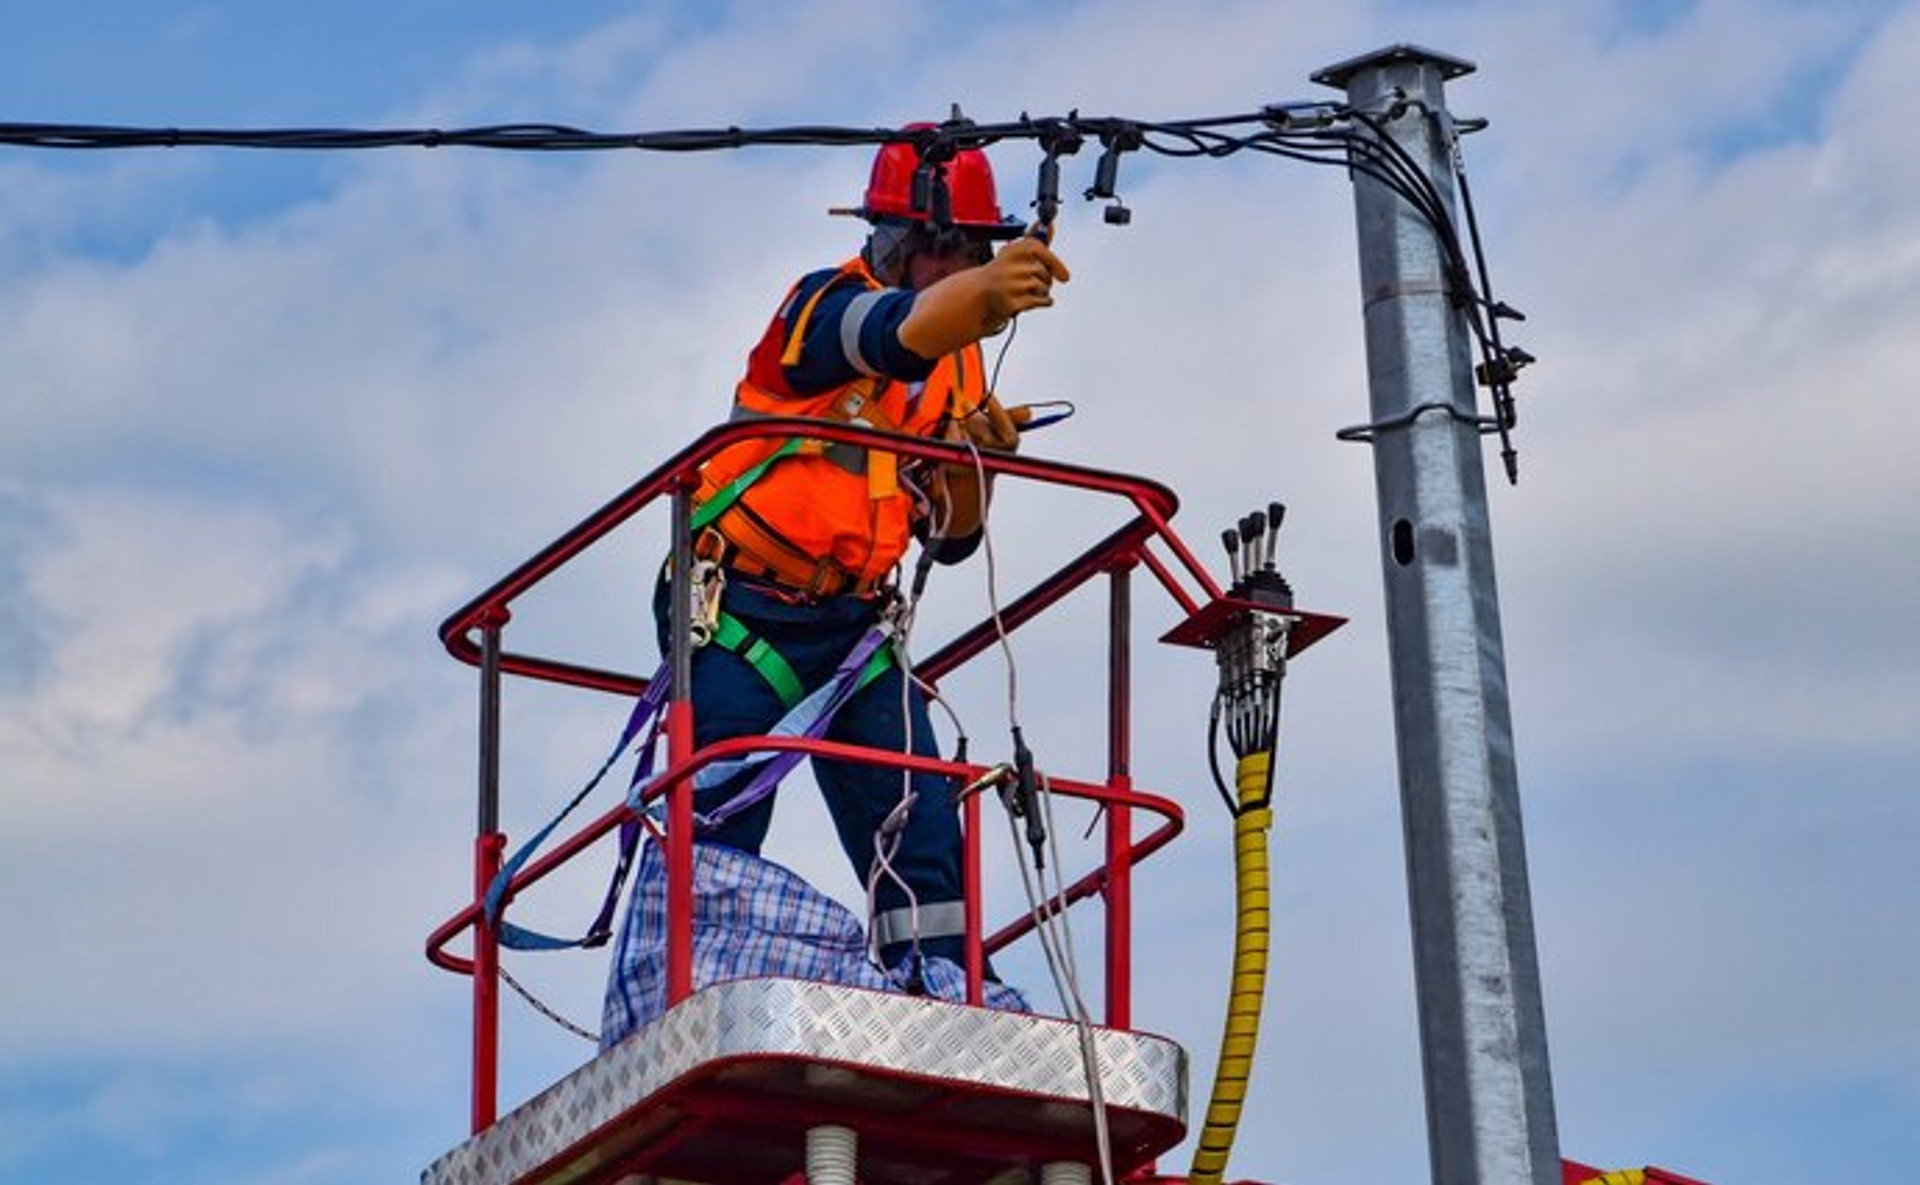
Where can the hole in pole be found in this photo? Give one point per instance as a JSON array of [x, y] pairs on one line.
[[1402, 542]]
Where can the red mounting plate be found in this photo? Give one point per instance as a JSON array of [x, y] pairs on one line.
[[1203, 629]]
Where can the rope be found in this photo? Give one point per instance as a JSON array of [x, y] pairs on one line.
[[544, 1009]]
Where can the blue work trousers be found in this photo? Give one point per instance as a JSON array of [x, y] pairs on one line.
[[732, 699]]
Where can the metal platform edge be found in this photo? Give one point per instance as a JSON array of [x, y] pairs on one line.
[[858, 1028]]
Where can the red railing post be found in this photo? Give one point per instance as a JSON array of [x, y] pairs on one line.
[[489, 844], [970, 887], [679, 858], [679, 751], [1119, 860], [487, 851]]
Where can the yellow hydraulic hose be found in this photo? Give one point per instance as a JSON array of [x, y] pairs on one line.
[[1253, 780]]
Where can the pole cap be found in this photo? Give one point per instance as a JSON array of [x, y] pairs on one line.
[[1340, 73]]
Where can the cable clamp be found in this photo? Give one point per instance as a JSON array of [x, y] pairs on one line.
[[1299, 116], [1503, 368], [1366, 433]]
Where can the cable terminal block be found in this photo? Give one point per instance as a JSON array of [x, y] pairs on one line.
[[1256, 613]]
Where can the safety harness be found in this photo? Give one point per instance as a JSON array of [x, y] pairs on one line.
[[808, 715], [748, 543]]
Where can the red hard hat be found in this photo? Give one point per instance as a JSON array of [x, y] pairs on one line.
[[969, 179]]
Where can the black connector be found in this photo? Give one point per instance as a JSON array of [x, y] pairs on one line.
[[1026, 794], [1106, 172], [1046, 202], [1057, 139], [957, 784], [1252, 545], [1268, 589]]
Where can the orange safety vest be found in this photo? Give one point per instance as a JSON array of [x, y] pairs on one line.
[[832, 518]]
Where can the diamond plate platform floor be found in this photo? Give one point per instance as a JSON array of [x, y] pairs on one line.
[[722, 1089]]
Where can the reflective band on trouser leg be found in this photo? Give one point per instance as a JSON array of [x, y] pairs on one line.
[[942, 919], [1252, 779]]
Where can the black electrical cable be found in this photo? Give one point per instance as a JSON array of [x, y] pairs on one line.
[[1334, 140], [1499, 379], [1178, 138], [1482, 311], [1213, 756], [1416, 186], [1250, 709], [1339, 152]]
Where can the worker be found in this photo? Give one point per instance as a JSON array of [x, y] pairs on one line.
[[807, 539]]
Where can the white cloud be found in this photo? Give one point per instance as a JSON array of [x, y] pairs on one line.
[[200, 770], [135, 592]]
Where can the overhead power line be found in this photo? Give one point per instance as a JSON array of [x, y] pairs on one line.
[[1321, 133]]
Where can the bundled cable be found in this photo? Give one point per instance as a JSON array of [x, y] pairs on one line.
[[1252, 658]]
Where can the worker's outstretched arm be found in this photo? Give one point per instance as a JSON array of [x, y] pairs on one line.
[[975, 303]]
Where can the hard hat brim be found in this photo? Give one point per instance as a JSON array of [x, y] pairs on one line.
[[1006, 228]]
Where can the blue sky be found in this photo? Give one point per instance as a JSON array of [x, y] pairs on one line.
[[268, 418]]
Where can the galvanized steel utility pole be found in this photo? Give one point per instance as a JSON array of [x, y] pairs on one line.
[[1482, 1031]]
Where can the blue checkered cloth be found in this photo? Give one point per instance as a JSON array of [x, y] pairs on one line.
[[752, 919]]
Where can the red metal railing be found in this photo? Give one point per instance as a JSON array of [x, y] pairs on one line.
[[1115, 556]]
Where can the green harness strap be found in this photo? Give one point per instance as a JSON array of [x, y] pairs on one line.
[[727, 495], [730, 633], [728, 630], [876, 666]]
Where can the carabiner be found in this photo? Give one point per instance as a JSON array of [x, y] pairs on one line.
[[709, 581]]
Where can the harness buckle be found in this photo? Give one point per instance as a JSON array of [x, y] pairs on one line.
[[830, 579], [896, 611], [709, 580]]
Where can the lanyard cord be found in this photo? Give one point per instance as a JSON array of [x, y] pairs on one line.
[[1055, 932]]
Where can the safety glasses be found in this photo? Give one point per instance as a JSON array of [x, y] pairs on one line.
[[957, 240]]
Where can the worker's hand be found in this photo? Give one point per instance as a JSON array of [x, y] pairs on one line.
[[957, 490], [979, 301], [1019, 278], [990, 426]]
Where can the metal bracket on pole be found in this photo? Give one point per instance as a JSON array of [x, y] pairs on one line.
[[1489, 1093]]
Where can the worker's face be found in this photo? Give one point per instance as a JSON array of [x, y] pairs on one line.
[[953, 251]]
